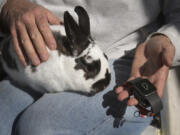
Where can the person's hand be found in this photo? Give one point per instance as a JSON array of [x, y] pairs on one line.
[[28, 24], [152, 61]]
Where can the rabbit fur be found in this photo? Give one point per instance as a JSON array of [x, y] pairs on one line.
[[78, 64]]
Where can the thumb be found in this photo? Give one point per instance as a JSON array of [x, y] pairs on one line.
[[52, 19], [168, 55]]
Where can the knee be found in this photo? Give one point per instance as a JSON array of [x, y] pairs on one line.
[[35, 121], [37, 126], [32, 124]]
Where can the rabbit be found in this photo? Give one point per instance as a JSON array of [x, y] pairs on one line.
[[77, 65]]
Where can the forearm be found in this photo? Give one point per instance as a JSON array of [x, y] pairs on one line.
[[2, 2]]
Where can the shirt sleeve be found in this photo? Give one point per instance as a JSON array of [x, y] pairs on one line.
[[2, 2], [171, 12]]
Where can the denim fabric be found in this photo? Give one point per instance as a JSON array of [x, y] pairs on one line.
[[65, 113], [13, 101]]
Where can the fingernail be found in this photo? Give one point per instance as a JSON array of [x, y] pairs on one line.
[[44, 57], [53, 46], [25, 64], [36, 62]]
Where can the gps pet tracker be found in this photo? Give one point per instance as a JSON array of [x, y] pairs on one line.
[[149, 103]]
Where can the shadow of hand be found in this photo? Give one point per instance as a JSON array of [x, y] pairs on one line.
[[116, 108]]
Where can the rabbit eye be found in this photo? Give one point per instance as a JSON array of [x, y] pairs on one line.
[[89, 59]]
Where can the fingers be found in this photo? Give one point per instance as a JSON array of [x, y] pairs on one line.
[[160, 80], [123, 95], [45, 31], [27, 44], [52, 19], [147, 66], [121, 88], [132, 102], [37, 41], [124, 92], [40, 33], [168, 54], [139, 60], [17, 46], [34, 34]]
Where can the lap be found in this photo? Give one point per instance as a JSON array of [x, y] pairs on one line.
[[12, 102], [69, 113], [65, 113]]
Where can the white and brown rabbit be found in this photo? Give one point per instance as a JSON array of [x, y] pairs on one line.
[[77, 64]]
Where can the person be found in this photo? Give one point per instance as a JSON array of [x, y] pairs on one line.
[[118, 27]]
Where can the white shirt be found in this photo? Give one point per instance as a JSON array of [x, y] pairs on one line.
[[120, 25]]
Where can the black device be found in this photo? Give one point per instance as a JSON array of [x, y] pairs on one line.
[[143, 90], [149, 103]]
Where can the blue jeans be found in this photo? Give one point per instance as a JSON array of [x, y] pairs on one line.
[[64, 113]]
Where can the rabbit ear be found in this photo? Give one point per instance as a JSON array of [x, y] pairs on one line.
[[78, 41], [84, 22]]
